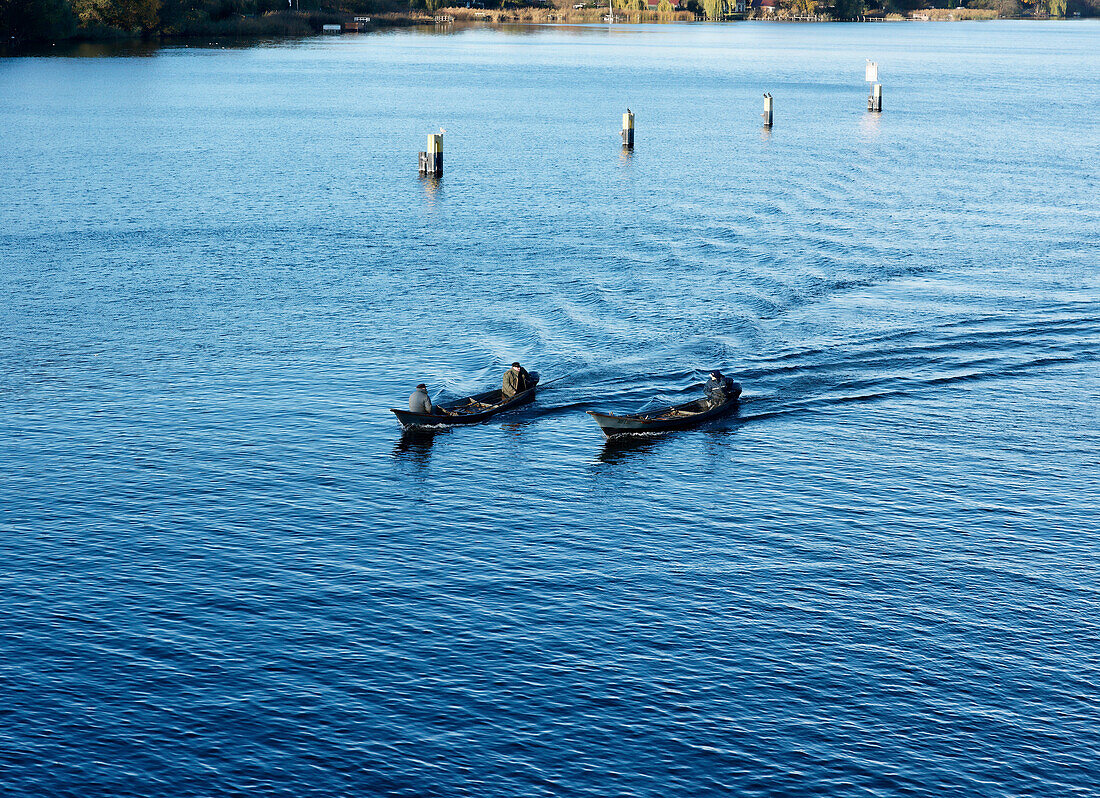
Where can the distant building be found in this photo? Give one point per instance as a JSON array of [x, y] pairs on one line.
[[765, 7], [652, 5]]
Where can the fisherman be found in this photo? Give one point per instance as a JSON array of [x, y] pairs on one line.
[[516, 380], [719, 389], [420, 402]]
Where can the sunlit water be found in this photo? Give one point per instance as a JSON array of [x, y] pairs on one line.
[[226, 572]]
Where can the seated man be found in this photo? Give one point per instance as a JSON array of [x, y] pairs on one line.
[[719, 389], [516, 380], [420, 402]]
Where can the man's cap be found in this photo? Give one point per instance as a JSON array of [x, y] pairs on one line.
[[423, 386], [516, 364], [716, 373]]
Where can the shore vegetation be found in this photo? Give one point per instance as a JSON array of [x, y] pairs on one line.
[[28, 21]]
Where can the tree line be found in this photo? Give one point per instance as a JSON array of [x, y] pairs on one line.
[[35, 20], [853, 9]]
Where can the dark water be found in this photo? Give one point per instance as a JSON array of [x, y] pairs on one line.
[[226, 572]]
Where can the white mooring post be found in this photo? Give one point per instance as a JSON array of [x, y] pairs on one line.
[[628, 129], [767, 110], [431, 162], [874, 100]]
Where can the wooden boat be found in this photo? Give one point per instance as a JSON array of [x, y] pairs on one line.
[[471, 410], [663, 419]]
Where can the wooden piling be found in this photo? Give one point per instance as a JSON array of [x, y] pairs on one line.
[[431, 162], [628, 129], [874, 102], [767, 110]]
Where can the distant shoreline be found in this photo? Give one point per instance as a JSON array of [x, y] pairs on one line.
[[292, 25]]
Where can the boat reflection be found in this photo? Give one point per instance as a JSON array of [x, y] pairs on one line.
[[626, 447], [415, 447]]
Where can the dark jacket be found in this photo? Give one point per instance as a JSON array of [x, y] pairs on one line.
[[516, 383], [718, 390], [419, 402]]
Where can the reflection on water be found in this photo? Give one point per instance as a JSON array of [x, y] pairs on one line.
[[143, 48], [628, 447], [518, 436], [869, 125], [513, 29], [415, 447], [125, 48], [433, 187]]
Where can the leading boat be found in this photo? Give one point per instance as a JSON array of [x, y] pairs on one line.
[[664, 419], [471, 409]]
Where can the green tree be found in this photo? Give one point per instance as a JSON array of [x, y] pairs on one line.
[[905, 6], [848, 9], [129, 15], [664, 7], [714, 9], [1006, 9], [32, 20], [1057, 8]]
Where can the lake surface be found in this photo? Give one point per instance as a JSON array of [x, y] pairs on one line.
[[226, 572]]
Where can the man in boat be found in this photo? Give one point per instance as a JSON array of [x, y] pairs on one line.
[[420, 402], [719, 389], [516, 380]]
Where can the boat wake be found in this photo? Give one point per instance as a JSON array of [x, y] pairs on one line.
[[819, 375]]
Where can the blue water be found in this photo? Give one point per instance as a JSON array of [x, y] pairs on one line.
[[227, 572]]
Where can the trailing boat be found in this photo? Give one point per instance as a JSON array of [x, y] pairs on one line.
[[470, 410], [664, 419]]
